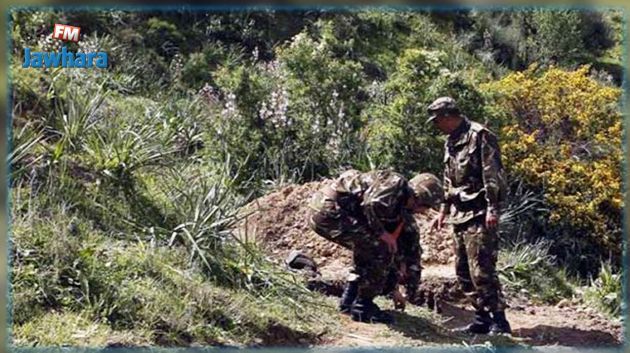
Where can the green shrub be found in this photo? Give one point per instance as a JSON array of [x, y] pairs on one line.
[[164, 36], [558, 34], [28, 27], [517, 39], [527, 268], [294, 118], [606, 291], [324, 92], [397, 133], [196, 71]]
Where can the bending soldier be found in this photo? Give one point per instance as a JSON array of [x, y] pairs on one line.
[[370, 213]]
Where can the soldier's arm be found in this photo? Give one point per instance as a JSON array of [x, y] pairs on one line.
[[409, 243], [446, 184], [491, 169]]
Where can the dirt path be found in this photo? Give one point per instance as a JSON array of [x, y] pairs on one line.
[[533, 325]]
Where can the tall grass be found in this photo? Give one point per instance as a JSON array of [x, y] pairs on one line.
[[525, 264], [528, 269], [21, 156], [605, 292]]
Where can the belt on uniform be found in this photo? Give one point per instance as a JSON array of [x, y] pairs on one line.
[[473, 205]]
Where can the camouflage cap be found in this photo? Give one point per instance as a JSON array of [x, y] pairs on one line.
[[427, 188], [441, 105]]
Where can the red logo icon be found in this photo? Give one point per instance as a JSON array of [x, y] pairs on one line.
[[66, 33]]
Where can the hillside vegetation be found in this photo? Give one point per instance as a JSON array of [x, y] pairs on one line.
[[126, 182]]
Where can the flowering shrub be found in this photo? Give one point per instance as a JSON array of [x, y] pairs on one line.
[[325, 94], [294, 117], [562, 132]]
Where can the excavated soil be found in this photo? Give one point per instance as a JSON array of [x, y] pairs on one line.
[[278, 221]]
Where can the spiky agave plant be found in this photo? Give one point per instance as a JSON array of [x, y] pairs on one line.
[[21, 156], [605, 291], [75, 114], [521, 208], [120, 150], [529, 268], [207, 204]]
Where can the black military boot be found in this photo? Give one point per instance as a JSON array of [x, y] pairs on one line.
[[480, 325], [348, 297], [364, 310], [500, 324]]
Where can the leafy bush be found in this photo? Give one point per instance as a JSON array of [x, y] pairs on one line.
[[558, 34], [324, 94], [196, 71], [397, 134], [517, 39], [164, 35], [293, 118], [562, 135]]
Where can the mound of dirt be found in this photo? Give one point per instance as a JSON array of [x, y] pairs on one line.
[[278, 222]]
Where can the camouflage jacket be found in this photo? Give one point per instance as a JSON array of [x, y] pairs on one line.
[[378, 197], [474, 181]]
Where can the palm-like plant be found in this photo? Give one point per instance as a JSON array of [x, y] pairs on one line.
[[20, 157]]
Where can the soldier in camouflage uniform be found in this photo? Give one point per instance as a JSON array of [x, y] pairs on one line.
[[474, 184], [370, 214]]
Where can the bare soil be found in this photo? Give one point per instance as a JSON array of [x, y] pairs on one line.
[[278, 222]]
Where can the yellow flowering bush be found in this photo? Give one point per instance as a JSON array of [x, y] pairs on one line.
[[562, 132]]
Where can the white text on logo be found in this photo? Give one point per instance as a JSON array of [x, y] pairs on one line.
[[66, 33]]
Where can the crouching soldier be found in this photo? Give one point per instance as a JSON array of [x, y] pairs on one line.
[[371, 214]]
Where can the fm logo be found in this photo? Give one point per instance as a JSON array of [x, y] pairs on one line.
[[66, 33]]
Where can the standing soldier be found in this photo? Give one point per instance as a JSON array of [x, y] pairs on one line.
[[474, 184], [370, 214]]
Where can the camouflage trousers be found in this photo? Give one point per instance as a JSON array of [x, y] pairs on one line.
[[476, 249], [408, 255], [372, 259], [375, 267]]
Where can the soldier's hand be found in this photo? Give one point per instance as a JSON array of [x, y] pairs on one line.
[[402, 273], [492, 220], [400, 302], [438, 222], [391, 242]]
